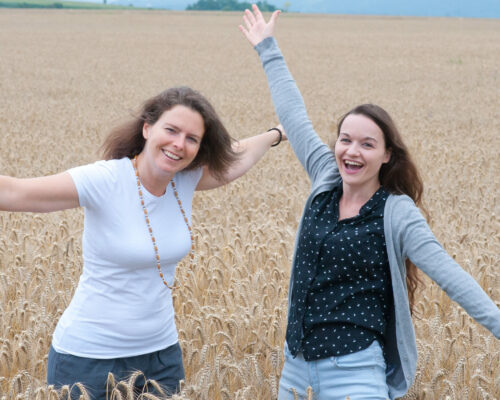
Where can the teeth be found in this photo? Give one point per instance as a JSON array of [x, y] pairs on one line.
[[353, 163], [171, 155]]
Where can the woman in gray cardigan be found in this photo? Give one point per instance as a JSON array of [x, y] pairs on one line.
[[353, 276]]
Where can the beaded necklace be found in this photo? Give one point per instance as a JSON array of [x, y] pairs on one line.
[[146, 216]]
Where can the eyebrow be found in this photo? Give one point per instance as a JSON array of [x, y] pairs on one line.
[[365, 138]]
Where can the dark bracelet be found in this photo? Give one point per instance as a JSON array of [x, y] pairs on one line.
[[281, 136]]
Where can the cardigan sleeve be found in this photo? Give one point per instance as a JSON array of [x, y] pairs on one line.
[[421, 247], [314, 155]]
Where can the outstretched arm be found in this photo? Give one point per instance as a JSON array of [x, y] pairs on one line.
[[250, 151], [417, 242], [44, 194], [314, 155]]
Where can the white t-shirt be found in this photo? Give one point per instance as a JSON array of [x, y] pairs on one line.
[[121, 308]]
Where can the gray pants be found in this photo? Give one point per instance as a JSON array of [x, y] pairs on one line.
[[164, 366]]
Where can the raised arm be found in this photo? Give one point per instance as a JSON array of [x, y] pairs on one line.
[[44, 194], [314, 155], [250, 151]]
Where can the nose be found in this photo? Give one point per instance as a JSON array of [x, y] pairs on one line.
[[353, 149], [179, 141]]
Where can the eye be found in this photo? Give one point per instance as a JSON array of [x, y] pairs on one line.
[[344, 140], [369, 145], [171, 130], [193, 139]]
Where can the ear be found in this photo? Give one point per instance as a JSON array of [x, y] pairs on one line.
[[145, 130], [387, 156]]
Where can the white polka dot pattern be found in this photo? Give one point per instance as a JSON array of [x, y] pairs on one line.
[[341, 290]]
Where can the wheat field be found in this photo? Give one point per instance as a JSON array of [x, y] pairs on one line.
[[66, 77]]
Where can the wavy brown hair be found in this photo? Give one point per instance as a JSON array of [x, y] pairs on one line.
[[126, 140], [398, 176]]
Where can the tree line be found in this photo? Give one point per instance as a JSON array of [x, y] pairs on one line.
[[228, 5]]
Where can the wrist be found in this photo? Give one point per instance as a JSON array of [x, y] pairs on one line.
[[280, 137]]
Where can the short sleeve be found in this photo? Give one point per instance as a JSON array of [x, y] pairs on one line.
[[94, 182], [189, 178]]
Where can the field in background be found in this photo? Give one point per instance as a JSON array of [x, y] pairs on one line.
[[67, 76]]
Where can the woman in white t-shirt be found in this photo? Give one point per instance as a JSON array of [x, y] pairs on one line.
[[136, 228]]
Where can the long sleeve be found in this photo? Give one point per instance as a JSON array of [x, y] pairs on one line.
[[313, 154], [422, 248]]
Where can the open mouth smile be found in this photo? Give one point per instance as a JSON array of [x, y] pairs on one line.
[[352, 166], [170, 155]]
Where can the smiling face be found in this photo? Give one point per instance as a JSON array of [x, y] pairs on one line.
[[360, 152], [173, 141]]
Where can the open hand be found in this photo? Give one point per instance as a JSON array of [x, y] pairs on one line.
[[257, 29]]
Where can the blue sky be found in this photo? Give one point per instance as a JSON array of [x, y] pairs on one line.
[[463, 8]]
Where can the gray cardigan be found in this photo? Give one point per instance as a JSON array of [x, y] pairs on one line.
[[406, 231]]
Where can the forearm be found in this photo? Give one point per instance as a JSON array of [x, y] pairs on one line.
[[250, 151], [462, 288], [286, 96], [7, 202], [423, 249], [313, 154], [43, 194], [253, 148]]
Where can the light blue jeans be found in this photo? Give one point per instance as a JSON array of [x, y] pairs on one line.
[[359, 376]]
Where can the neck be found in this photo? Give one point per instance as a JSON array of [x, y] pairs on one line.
[[153, 182], [356, 194], [353, 198]]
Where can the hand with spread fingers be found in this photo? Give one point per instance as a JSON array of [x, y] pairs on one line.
[[257, 29]]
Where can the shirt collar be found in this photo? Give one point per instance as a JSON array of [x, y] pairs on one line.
[[380, 195]]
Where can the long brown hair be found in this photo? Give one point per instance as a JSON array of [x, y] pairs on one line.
[[398, 176], [126, 140]]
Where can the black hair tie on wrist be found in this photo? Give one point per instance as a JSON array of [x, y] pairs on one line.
[[281, 136]]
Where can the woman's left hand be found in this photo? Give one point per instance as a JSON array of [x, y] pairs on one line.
[[257, 29]]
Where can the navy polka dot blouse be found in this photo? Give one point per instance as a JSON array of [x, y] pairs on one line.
[[341, 289]]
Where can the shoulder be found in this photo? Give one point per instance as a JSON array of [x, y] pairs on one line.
[[400, 212], [399, 200], [189, 177], [399, 205], [109, 168], [101, 175]]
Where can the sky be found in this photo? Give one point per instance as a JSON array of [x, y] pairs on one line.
[[456, 8], [440, 8]]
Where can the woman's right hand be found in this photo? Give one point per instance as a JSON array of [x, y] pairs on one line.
[[257, 29]]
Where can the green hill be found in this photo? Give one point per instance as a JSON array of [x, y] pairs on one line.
[[56, 4]]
